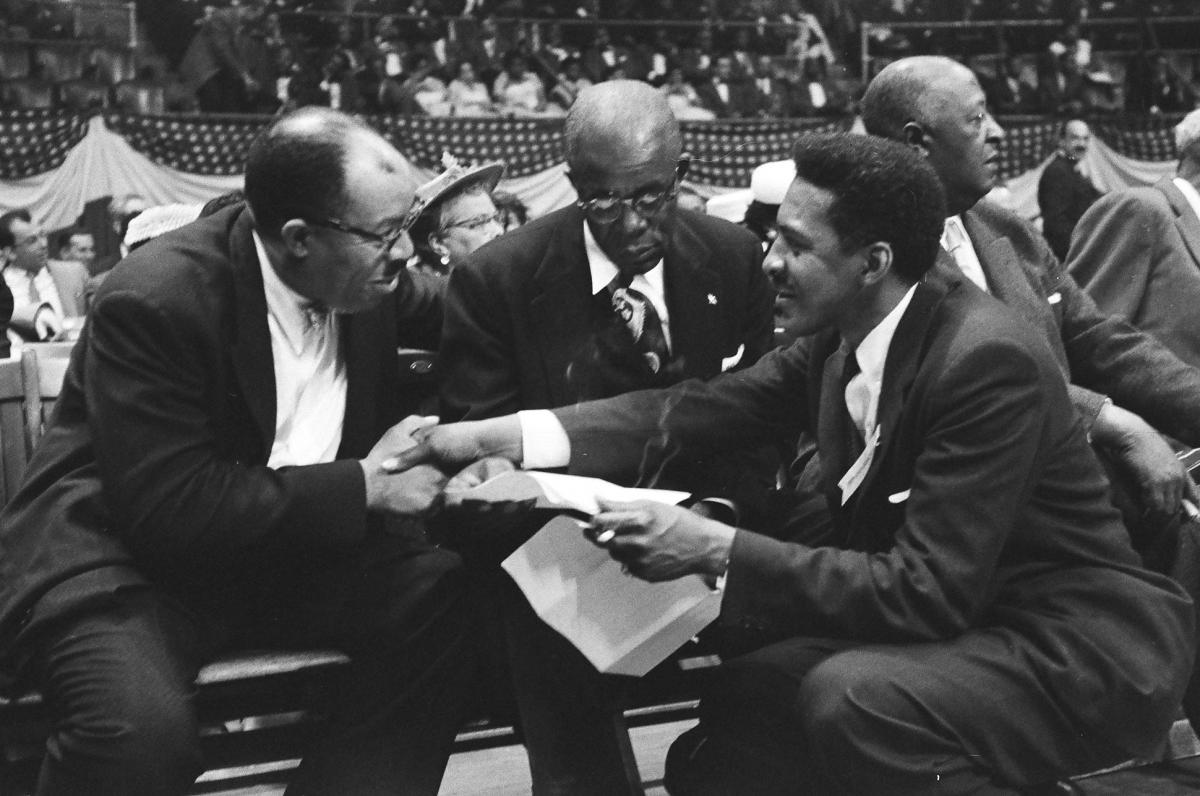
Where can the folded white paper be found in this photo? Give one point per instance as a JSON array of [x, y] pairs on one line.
[[622, 624]]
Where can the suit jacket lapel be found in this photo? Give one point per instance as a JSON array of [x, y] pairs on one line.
[[252, 359], [1185, 217], [561, 295], [693, 291]]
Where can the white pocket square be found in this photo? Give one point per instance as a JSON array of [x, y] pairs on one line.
[[899, 497], [729, 363], [1054, 298]]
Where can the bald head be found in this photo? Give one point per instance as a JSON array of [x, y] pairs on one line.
[[911, 89], [936, 106], [616, 118], [297, 168]]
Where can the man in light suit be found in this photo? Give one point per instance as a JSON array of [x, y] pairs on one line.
[[979, 623], [211, 481], [45, 292], [530, 323], [1124, 382], [1137, 251]]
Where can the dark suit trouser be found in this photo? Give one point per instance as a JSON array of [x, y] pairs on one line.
[[119, 678], [571, 716], [813, 716]]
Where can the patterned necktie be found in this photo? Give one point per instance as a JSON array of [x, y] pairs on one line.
[[642, 321], [316, 321]]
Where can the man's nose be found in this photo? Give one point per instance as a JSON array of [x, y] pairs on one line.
[[994, 131]]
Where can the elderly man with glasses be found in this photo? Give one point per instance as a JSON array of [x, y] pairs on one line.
[[617, 292], [212, 479]]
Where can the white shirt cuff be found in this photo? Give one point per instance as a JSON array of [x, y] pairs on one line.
[[544, 442]]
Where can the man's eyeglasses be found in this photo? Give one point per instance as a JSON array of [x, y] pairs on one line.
[[608, 207], [476, 222], [385, 241]]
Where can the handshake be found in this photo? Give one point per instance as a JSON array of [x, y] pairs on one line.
[[406, 474], [406, 470]]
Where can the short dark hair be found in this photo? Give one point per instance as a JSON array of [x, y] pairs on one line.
[[7, 238], [882, 190], [296, 168]]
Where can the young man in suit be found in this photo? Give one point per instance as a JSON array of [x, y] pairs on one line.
[[211, 481], [531, 323], [45, 292], [1137, 251], [979, 622], [1124, 382]]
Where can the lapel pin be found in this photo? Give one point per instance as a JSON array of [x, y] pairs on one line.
[[712, 299]]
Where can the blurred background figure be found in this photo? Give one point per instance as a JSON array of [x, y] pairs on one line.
[[456, 215], [80, 247], [214, 66], [513, 212], [48, 295], [1064, 194], [467, 94]]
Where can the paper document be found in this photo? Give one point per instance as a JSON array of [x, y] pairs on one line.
[[622, 624]]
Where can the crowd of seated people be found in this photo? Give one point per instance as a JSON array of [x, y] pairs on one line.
[[743, 58]]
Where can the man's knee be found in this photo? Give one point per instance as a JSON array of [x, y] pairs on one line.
[[137, 736]]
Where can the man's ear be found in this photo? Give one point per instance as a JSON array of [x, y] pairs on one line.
[[877, 262], [913, 135], [296, 235]]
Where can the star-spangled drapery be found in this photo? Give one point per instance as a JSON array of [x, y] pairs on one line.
[[53, 163], [724, 153]]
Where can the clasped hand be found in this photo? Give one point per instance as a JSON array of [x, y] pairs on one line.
[[401, 472]]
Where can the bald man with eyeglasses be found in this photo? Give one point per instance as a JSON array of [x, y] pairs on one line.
[[616, 292]]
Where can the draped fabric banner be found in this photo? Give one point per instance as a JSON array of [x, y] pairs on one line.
[[54, 162]]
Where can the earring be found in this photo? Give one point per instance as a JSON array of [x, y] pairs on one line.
[[445, 258]]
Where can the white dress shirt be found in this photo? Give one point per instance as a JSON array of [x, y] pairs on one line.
[[34, 289], [1189, 192], [862, 392], [310, 377], [957, 242]]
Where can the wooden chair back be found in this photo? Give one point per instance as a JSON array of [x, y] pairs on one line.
[[43, 367]]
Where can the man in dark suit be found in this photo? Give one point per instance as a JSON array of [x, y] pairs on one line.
[[211, 480], [1063, 193], [727, 96], [1137, 251], [1123, 381], [214, 65], [981, 623], [530, 323]]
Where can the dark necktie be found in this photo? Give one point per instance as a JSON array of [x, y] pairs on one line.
[[854, 437], [642, 321]]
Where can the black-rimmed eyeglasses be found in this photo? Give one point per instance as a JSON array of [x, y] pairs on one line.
[[607, 208], [386, 240], [476, 222]]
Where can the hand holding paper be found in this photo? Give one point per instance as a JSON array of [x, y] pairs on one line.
[[622, 625], [658, 542]]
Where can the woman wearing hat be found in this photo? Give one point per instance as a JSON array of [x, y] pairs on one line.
[[455, 216]]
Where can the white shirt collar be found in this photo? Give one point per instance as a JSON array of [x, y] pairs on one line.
[[604, 270], [285, 305], [872, 352], [1189, 192]]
